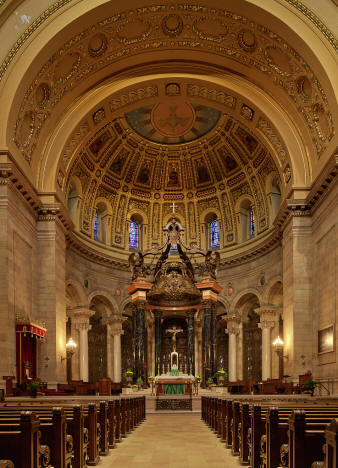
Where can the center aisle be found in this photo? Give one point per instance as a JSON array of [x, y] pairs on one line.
[[171, 441]]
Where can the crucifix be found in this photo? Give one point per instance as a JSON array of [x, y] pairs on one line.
[[173, 206], [174, 330]]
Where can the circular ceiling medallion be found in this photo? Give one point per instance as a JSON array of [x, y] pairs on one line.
[[247, 40], [172, 122], [173, 118], [172, 25], [97, 45]]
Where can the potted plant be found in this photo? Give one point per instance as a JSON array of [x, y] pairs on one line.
[[128, 375], [151, 379], [198, 378], [210, 381], [139, 382], [33, 388], [309, 386]]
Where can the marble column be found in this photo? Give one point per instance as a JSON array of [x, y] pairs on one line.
[[206, 354], [269, 316], [157, 342], [213, 340], [115, 330], [233, 330], [80, 318], [117, 377], [140, 340], [136, 340], [191, 343], [83, 329]]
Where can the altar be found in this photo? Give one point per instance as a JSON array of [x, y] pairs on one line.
[[174, 384]]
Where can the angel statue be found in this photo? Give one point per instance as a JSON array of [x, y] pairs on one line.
[[136, 265], [212, 260]]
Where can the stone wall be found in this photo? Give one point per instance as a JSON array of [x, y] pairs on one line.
[[325, 286]]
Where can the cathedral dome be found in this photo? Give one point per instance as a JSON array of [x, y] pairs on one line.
[[183, 143]]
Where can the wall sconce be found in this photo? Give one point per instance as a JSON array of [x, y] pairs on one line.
[[278, 346], [70, 349]]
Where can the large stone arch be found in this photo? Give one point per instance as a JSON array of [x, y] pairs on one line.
[[241, 296], [275, 15]]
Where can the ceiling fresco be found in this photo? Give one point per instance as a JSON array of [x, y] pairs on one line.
[[173, 122]]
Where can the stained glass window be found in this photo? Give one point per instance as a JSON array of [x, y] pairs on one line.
[[214, 234], [96, 225], [133, 235], [252, 222]]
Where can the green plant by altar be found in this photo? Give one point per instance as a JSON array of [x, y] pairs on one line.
[[139, 380]]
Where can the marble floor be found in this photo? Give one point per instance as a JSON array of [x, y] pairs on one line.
[[170, 441]]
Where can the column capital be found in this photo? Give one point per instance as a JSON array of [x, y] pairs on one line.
[[208, 304], [80, 316], [83, 326], [266, 324], [269, 313], [115, 324], [233, 323]]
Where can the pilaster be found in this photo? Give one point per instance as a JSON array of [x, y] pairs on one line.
[[52, 292], [297, 287]]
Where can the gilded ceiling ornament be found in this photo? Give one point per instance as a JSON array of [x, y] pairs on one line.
[[42, 95], [172, 89], [247, 40], [25, 129], [247, 112], [67, 67], [99, 115], [210, 29], [172, 25], [278, 60], [133, 31], [304, 87], [97, 45]]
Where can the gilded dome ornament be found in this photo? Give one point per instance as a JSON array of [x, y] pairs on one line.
[[172, 25]]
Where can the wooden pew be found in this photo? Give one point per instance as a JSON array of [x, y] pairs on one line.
[[277, 430], [53, 435], [22, 447], [83, 427], [305, 446], [331, 444]]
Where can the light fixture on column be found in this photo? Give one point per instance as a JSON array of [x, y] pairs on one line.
[[70, 349], [278, 346]]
